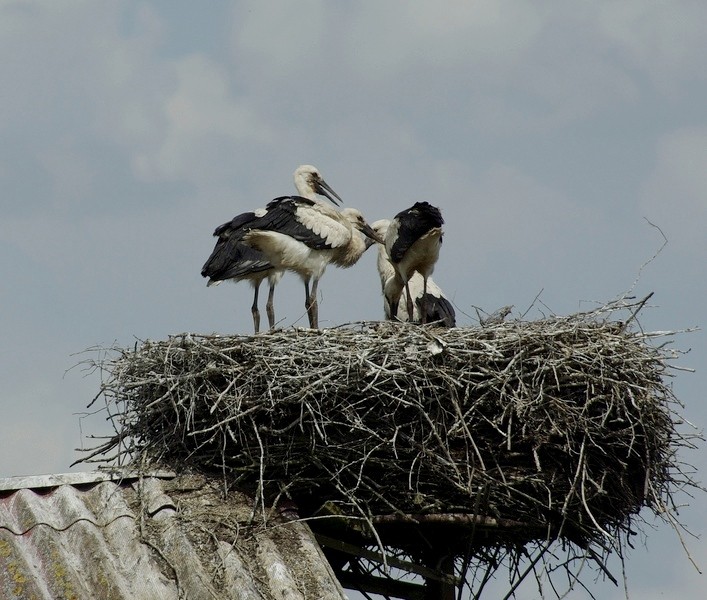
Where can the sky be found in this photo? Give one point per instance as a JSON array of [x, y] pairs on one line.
[[561, 141]]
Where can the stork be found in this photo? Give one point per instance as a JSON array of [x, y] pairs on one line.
[[412, 242], [437, 307], [304, 236], [234, 260]]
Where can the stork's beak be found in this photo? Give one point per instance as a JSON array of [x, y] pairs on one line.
[[370, 233], [324, 189]]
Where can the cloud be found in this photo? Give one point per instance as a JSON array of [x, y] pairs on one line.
[[459, 35], [203, 120], [62, 81], [282, 40], [663, 40], [82, 92], [502, 67], [674, 196], [502, 203]]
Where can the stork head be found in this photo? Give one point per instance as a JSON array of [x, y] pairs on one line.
[[356, 219], [309, 182]]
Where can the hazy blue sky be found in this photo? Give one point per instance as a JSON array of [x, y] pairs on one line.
[[547, 132]]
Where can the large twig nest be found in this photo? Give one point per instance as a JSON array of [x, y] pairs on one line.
[[560, 427]]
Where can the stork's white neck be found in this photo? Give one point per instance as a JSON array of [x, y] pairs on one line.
[[304, 188]]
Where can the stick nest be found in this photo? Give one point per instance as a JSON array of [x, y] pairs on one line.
[[562, 427]]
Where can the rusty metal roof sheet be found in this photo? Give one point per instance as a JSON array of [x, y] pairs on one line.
[[105, 536]]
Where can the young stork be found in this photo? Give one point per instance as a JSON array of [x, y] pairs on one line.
[[437, 307], [412, 242], [234, 260], [304, 236]]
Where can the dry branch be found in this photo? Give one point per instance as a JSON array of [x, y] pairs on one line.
[[522, 431]]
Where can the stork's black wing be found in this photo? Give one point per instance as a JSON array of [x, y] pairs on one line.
[[413, 223], [235, 225], [282, 216], [438, 309], [232, 259]]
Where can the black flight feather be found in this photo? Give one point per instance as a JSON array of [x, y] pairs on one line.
[[438, 309], [232, 259]]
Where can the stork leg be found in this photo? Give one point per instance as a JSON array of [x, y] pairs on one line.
[[306, 293], [314, 306], [392, 290], [386, 308], [410, 305], [269, 307], [423, 301], [394, 302], [308, 300], [254, 309]]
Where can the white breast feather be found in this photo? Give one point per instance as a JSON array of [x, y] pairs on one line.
[[422, 254]]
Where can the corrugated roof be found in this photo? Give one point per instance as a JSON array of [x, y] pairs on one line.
[[99, 536]]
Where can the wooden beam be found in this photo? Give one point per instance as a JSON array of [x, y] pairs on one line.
[[392, 561], [442, 590], [383, 586], [453, 519]]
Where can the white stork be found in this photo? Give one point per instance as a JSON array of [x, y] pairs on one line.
[[413, 241], [435, 303], [234, 260], [304, 236]]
